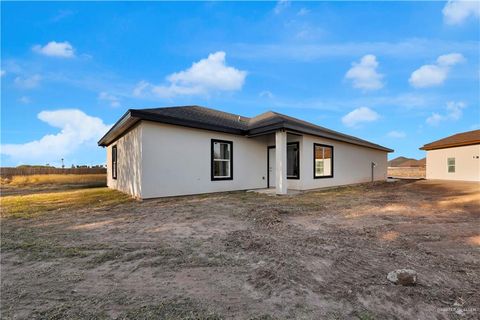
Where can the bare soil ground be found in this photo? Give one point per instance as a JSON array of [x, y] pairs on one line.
[[317, 255]]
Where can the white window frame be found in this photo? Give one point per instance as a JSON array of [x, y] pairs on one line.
[[315, 161], [451, 165]]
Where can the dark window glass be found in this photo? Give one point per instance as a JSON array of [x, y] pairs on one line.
[[221, 169], [293, 160], [114, 162]]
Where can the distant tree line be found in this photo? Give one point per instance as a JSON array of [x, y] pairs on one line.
[[49, 166]]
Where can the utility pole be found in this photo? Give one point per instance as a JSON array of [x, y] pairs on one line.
[[63, 166]]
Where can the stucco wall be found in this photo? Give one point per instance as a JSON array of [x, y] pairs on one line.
[[467, 165], [351, 164], [157, 160], [129, 157], [177, 161]]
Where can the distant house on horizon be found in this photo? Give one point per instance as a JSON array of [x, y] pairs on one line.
[[191, 150], [456, 157]]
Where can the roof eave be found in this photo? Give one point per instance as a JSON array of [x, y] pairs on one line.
[[288, 125], [451, 145], [331, 136], [117, 129], [132, 116]]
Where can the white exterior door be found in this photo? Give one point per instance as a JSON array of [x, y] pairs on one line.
[[271, 167]]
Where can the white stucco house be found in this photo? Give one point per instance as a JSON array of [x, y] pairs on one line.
[[456, 157], [191, 150]]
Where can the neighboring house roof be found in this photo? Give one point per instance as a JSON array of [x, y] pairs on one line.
[[209, 119], [407, 162], [456, 140]]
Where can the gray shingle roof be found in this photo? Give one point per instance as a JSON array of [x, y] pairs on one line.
[[210, 119], [202, 114]]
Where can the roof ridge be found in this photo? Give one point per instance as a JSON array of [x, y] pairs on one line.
[[196, 106]]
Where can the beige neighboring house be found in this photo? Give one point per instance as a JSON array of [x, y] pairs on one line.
[[456, 157], [191, 150]]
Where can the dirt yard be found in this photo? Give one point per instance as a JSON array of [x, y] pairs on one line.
[[317, 255]]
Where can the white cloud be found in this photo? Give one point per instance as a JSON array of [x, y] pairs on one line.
[[266, 94], [307, 32], [62, 14], [77, 129], [454, 111], [303, 12], [427, 76], [396, 134], [280, 6], [451, 59], [28, 82], [456, 12], [409, 48], [364, 74], [203, 77], [430, 75], [55, 49], [24, 100], [114, 100], [360, 115], [434, 119], [140, 88]]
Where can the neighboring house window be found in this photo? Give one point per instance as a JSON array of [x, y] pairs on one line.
[[114, 162], [293, 160], [322, 161], [222, 160], [451, 165]]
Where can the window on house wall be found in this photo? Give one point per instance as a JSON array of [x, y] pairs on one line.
[[322, 161], [114, 162], [293, 160], [451, 165], [222, 160]]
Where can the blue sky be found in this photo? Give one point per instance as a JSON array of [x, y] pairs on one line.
[[400, 74]]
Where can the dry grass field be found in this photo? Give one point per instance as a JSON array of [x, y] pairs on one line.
[[407, 172], [50, 182], [97, 254]]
